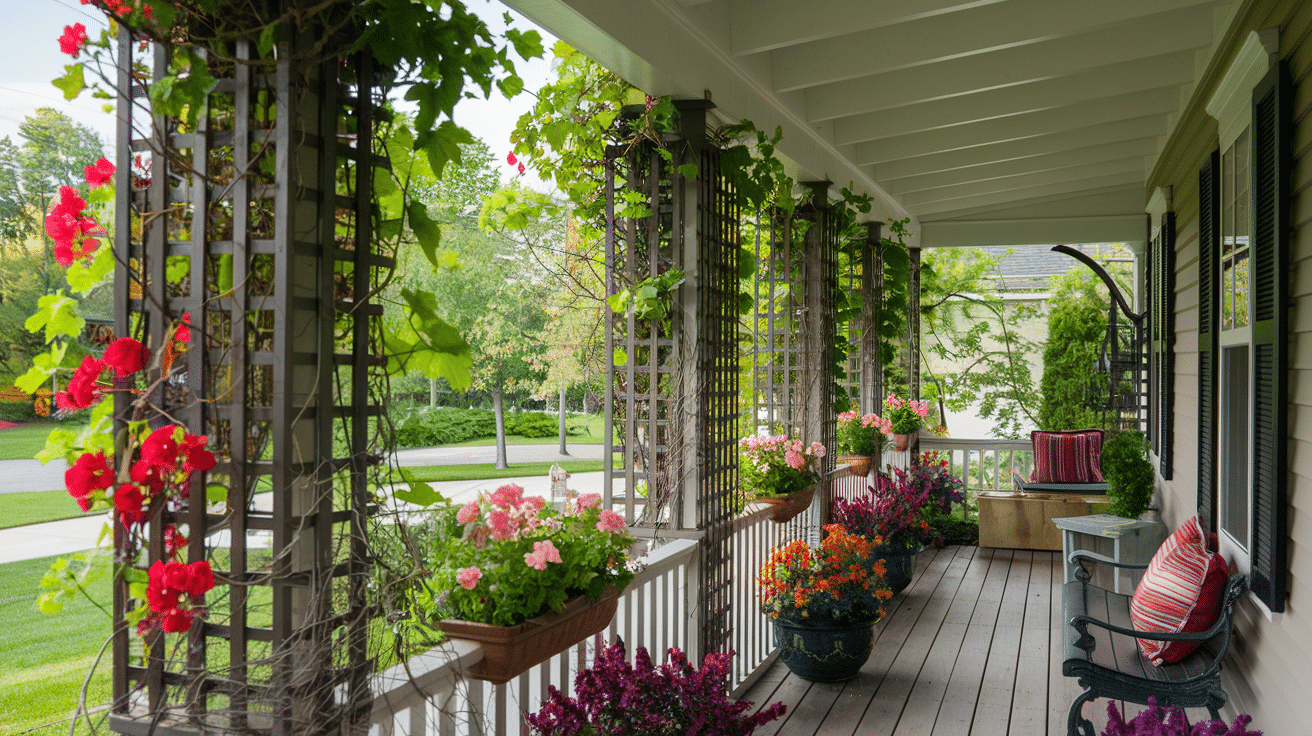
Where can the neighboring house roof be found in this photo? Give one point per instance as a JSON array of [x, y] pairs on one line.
[[1028, 267]]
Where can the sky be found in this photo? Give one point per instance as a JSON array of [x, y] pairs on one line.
[[30, 59]]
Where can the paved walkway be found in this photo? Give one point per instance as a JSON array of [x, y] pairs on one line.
[[73, 535], [17, 476]]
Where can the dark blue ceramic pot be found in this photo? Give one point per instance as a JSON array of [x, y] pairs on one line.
[[899, 563], [829, 652]]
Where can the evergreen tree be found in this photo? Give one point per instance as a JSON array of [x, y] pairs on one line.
[[1072, 393]]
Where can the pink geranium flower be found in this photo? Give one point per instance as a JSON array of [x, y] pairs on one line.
[[611, 522], [508, 496], [467, 513], [794, 459], [543, 552], [468, 577]]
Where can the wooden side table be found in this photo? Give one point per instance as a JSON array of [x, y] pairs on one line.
[[1124, 540]]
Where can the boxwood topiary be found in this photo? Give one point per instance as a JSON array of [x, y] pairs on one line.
[[1129, 474]]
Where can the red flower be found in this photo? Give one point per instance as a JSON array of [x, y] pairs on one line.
[[83, 390], [183, 333], [510, 158], [194, 455], [160, 449], [89, 474], [99, 173], [174, 541], [130, 503], [146, 474], [73, 40], [521, 168], [66, 253], [177, 620], [200, 578], [126, 355]]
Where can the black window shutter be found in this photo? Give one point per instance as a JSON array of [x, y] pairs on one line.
[[1269, 283], [1209, 211], [1161, 341]]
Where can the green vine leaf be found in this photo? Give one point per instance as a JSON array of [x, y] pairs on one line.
[[87, 274], [420, 493], [72, 83], [43, 367], [267, 38], [427, 343], [57, 314], [528, 44], [426, 230]]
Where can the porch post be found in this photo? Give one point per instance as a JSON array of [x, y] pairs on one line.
[[872, 288], [815, 389], [913, 338]]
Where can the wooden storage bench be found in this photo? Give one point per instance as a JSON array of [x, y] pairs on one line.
[[1024, 521]]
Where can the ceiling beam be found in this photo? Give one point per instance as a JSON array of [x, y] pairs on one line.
[[1011, 66], [1028, 181], [1118, 79], [1027, 125], [964, 33], [761, 25], [1123, 130], [1030, 164], [1032, 231], [1015, 197]]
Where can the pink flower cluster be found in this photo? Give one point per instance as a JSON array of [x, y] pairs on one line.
[[505, 514], [543, 552], [919, 408], [759, 448], [869, 420]]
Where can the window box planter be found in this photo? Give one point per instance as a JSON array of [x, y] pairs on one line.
[[784, 508], [860, 464], [509, 651]]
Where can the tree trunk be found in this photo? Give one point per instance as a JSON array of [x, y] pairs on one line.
[[499, 408], [563, 451], [432, 393]]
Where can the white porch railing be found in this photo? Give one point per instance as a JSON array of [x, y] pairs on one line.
[[984, 464]]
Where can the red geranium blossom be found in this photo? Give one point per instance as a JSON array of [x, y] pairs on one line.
[[510, 158], [160, 449], [174, 540], [194, 455], [130, 503], [127, 355], [89, 474], [100, 173], [171, 586], [74, 250], [69, 227], [83, 390], [73, 40]]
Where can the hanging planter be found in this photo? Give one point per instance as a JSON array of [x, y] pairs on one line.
[[784, 509], [860, 463], [509, 651]]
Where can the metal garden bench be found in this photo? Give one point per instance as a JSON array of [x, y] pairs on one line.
[[1100, 649]]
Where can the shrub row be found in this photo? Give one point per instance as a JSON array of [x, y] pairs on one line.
[[445, 426]]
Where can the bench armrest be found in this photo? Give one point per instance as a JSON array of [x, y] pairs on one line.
[[1082, 621], [1080, 555]]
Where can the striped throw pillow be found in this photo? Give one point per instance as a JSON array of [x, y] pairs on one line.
[[1181, 591], [1067, 457]]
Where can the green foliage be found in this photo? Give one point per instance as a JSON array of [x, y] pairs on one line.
[[1129, 473], [448, 426], [1073, 394], [532, 424], [649, 298], [972, 348]]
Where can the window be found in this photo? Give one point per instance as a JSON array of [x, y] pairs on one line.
[[1243, 274]]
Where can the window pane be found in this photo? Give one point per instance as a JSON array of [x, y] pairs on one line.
[[1241, 289], [1227, 295], [1234, 470]]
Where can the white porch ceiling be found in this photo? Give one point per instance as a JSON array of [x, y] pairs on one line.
[[987, 122]]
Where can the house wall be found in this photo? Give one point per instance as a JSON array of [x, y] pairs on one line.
[[1269, 671]]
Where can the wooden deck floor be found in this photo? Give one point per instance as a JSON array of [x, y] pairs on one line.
[[971, 647]]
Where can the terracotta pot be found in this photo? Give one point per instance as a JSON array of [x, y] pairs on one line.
[[901, 441], [860, 463], [784, 508], [509, 651]]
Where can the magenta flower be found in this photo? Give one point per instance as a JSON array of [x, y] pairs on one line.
[[501, 525], [468, 577], [611, 522], [508, 496], [543, 552]]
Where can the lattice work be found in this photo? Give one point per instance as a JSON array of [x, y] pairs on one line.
[[776, 332], [913, 339], [258, 225]]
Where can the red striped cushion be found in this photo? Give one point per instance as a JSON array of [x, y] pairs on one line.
[[1180, 591], [1067, 457]]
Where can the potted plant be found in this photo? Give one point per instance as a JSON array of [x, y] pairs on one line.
[[614, 697], [860, 437], [779, 471], [905, 418], [824, 604], [942, 490], [890, 517], [1128, 472], [524, 579]]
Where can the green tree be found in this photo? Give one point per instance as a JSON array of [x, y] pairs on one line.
[[972, 349], [55, 151], [1073, 393]]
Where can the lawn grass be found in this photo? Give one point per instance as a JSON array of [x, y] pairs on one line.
[[34, 507], [45, 657], [25, 441], [435, 473]]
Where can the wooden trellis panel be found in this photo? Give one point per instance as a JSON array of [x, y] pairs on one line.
[[275, 204]]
